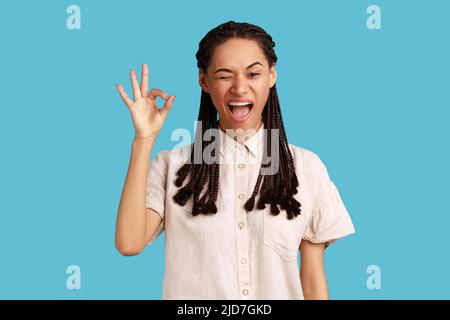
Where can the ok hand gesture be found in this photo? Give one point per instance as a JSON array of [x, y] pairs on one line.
[[147, 117]]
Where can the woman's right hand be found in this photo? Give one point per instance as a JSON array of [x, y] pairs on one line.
[[147, 117]]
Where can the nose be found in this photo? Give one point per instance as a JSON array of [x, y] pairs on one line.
[[240, 86]]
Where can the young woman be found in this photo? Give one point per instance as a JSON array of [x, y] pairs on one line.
[[234, 225]]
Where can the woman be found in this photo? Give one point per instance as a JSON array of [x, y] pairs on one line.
[[233, 228]]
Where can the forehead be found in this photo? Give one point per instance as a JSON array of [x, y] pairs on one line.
[[237, 54]]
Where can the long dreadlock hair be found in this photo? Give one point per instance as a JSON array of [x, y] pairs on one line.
[[276, 189]]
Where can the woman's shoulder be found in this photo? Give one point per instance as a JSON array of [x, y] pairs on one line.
[[176, 155], [303, 154], [307, 159]]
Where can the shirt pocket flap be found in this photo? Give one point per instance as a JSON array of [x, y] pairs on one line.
[[280, 243]]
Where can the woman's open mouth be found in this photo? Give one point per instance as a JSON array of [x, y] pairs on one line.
[[240, 109]]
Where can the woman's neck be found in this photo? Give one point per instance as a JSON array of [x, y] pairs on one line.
[[248, 133]]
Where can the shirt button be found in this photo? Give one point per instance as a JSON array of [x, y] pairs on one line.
[[240, 147], [241, 166], [245, 292], [241, 196], [243, 260], [240, 225]]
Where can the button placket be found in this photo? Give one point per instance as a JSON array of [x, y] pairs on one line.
[[242, 240]]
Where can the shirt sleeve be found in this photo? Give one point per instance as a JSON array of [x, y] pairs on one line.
[[156, 189], [330, 220]]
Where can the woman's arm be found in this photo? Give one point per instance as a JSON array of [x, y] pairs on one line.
[[134, 227], [312, 272], [131, 233]]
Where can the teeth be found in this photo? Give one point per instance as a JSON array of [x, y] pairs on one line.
[[238, 104]]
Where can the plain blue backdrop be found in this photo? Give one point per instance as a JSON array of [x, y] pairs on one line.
[[373, 104]]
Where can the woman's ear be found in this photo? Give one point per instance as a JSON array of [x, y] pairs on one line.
[[272, 76], [202, 81]]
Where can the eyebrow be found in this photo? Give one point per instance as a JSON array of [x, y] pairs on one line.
[[228, 70]]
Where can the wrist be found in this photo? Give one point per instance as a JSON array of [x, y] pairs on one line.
[[144, 140]]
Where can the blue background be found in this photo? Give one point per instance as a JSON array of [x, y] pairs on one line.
[[373, 104]]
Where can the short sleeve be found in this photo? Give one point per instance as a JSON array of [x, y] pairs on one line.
[[330, 219], [156, 188]]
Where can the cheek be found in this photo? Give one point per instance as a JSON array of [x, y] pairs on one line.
[[217, 93], [219, 88], [262, 92]]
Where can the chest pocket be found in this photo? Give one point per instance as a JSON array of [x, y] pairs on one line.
[[281, 234]]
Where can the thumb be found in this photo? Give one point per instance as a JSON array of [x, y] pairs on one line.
[[167, 106]]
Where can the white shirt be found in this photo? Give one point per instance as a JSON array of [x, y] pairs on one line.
[[234, 254]]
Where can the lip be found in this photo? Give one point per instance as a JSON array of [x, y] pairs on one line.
[[231, 113]]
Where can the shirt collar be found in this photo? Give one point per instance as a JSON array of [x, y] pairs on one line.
[[253, 145]]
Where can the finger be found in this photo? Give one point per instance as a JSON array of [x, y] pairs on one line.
[[144, 80], [167, 106], [123, 94], [155, 93], [134, 83]]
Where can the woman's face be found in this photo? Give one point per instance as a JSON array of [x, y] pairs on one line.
[[238, 79]]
